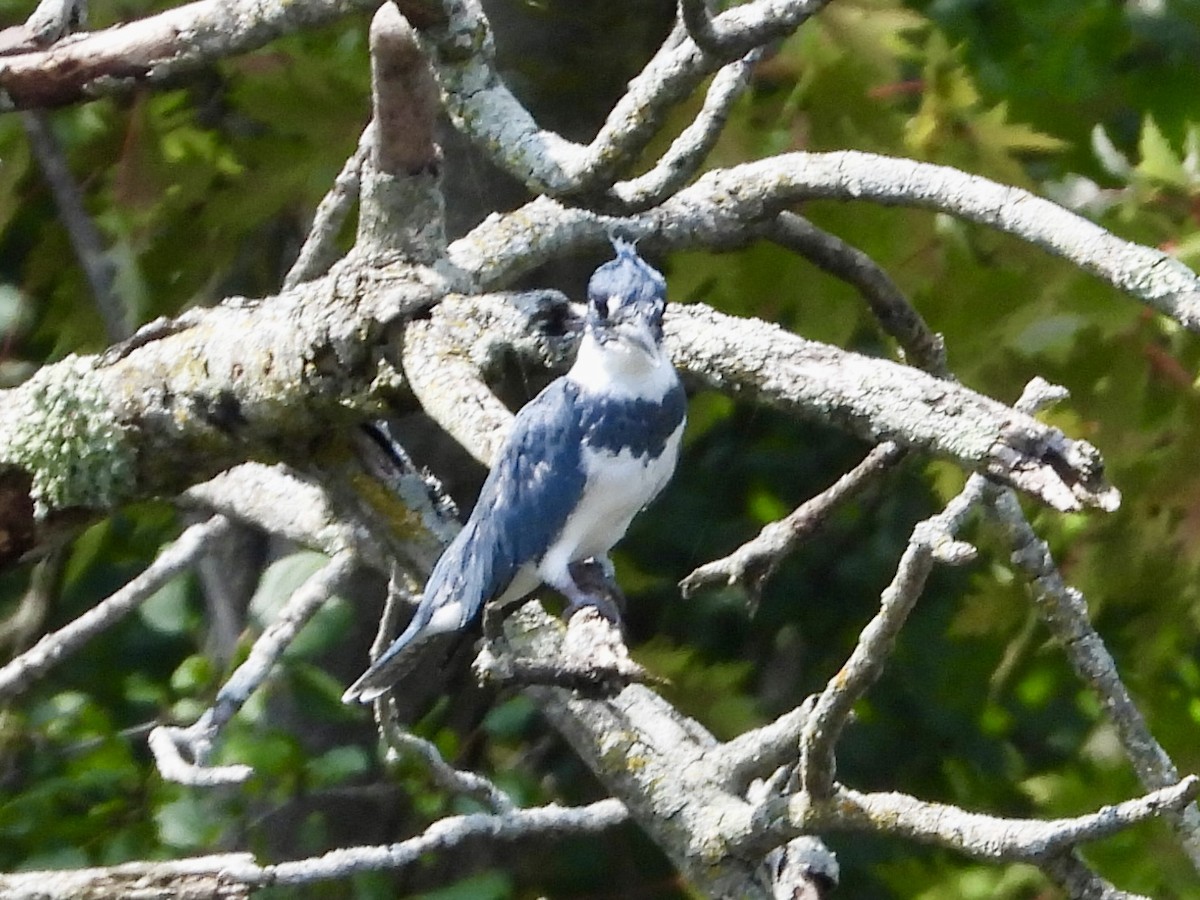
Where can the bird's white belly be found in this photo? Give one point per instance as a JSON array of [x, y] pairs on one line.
[[618, 486]]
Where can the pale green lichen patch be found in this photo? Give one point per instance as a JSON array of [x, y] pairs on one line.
[[62, 431]]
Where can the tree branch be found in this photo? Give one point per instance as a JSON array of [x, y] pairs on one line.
[[98, 269], [880, 401], [19, 674], [981, 836], [688, 151], [932, 539], [319, 250], [755, 561], [724, 202], [1064, 610], [236, 875], [484, 110], [164, 47], [195, 742]]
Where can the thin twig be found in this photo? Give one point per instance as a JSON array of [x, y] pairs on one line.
[[755, 561], [85, 238], [448, 778], [195, 742], [688, 150], [54, 648], [230, 875], [922, 347], [319, 250]]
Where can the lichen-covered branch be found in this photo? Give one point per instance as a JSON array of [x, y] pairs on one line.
[[882, 401], [447, 356], [725, 202]]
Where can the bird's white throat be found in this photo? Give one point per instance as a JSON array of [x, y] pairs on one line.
[[620, 369]]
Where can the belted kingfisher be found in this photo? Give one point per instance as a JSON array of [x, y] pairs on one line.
[[583, 458]]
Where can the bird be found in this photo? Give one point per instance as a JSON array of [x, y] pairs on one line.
[[582, 459]]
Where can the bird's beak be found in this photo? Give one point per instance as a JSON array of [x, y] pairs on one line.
[[637, 334]]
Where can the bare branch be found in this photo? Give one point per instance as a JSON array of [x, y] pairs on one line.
[[195, 742], [52, 649], [234, 875], [483, 108], [447, 356], [982, 836], [724, 202], [402, 211], [89, 248], [761, 751], [286, 503], [161, 47], [756, 561], [693, 144], [921, 346], [652, 758], [319, 250], [1064, 610], [448, 778], [881, 401], [932, 539], [1079, 882]]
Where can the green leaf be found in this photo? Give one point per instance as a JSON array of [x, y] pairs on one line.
[[337, 765], [280, 581], [1158, 161], [167, 610]]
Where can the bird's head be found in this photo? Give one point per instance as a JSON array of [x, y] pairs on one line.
[[626, 300]]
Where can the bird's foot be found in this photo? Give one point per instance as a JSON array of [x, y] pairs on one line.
[[596, 588]]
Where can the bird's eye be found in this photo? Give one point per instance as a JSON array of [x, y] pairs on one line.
[[602, 306]]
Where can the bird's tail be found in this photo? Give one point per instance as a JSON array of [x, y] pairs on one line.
[[418, 648]]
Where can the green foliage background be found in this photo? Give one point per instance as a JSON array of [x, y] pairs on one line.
[[203, 191]]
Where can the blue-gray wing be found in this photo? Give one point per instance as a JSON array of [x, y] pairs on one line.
[[536, 482]]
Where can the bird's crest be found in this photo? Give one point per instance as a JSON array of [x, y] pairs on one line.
[[627, 287]]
